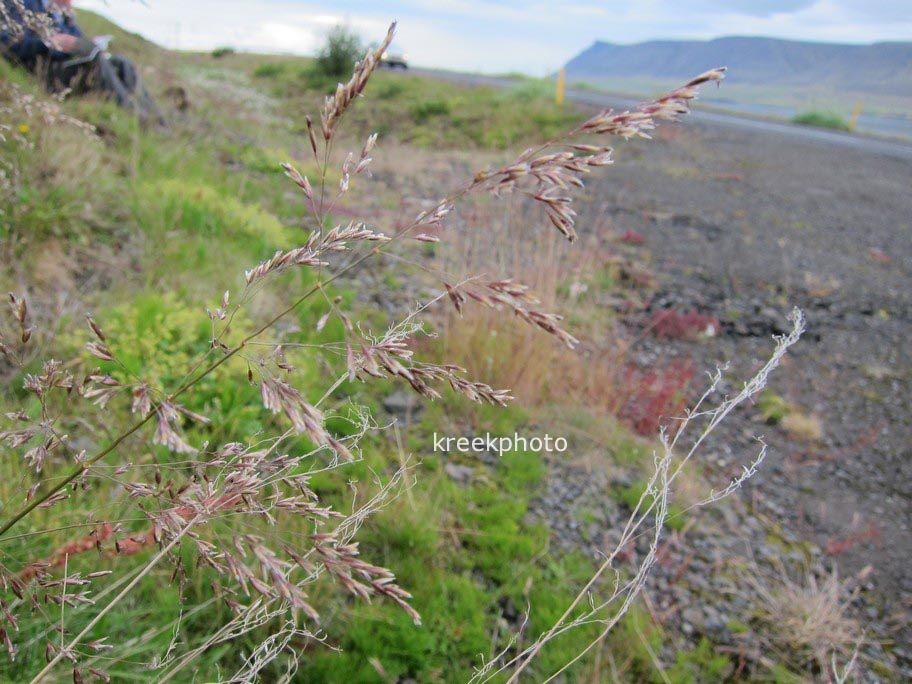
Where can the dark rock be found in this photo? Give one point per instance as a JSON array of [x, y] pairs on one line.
[[693, 616], [715, 625], [460, 474], [402, 404], [508, 609]]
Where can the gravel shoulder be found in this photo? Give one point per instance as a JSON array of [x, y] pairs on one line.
[[744, 225]]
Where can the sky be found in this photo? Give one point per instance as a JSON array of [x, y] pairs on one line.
[[525, 36]]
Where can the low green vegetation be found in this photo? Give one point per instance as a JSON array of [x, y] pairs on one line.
[[636, 493], [773, 407], [269, 69], [638, 639], [822, 120], [223, 51], [425, 112], [441, 114], [448, 543]]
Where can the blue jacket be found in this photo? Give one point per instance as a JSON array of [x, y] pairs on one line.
[[29, 47]]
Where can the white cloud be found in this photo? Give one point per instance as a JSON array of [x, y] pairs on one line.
[[281, 37], [824, 20]]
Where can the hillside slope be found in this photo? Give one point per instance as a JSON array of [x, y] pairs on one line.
[[124, 42]]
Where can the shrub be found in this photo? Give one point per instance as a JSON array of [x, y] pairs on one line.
[[341, 50], [822, 120], [220, 52]]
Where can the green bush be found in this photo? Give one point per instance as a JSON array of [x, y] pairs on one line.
[[340, 52], [822, 120]]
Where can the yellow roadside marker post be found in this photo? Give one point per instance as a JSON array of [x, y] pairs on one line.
[[559, 97], [855, 115]]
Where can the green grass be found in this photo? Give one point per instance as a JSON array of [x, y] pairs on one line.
[[822, 120], [637, 640], [268, 70], [421, 111], [448, 544], [410, 109], [773, 407]]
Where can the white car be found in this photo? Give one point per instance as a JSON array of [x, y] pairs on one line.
[[394, 57]]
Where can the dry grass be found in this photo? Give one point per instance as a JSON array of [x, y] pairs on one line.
[[805, 620], [488, 342], [585, 284], [803, 426]]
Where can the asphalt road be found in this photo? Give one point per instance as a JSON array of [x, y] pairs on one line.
[[851, 141]]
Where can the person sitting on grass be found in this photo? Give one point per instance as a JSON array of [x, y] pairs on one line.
[[43, 36]]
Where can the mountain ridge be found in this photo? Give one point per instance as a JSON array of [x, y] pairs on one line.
[[884, 67]]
